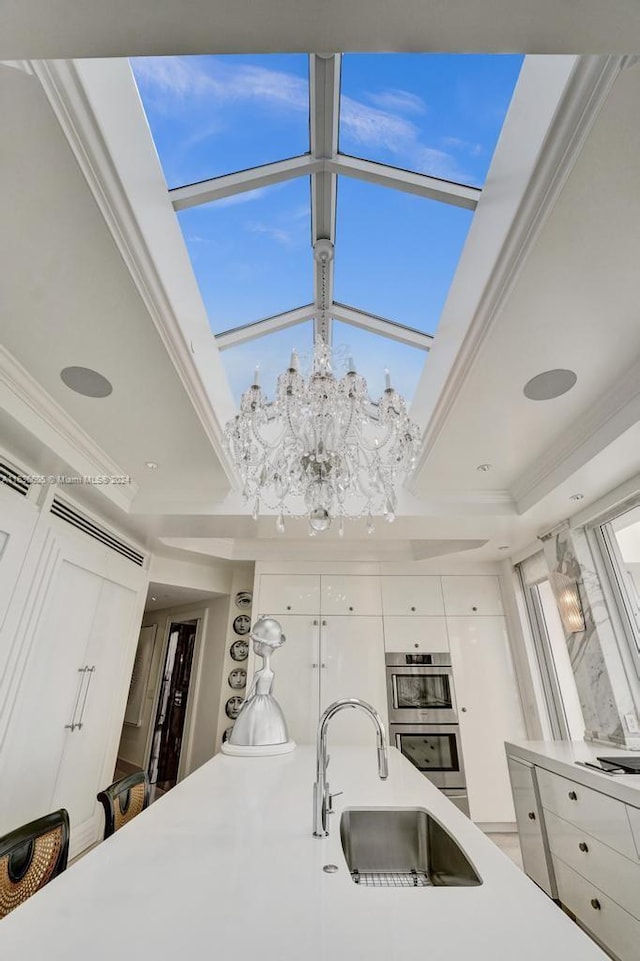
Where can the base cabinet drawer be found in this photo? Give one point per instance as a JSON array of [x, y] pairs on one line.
[[603, 817], [596, 862], [614, 927]]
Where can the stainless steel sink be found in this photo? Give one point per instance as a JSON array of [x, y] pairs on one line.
[[402, 847]]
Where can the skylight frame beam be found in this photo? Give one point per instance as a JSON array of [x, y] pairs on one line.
[[444, 191], [324, 105], [381, 325], [269, 325], [254, 178]]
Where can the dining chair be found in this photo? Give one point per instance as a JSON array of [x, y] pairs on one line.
[[31, 856], [123, 800]]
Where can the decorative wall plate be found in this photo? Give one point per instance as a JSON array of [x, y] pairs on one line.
[[239, 650], [227, 733], [243, 599], [237, 678], [232, 707], [242, 624]]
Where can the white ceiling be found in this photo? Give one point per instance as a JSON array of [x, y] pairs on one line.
[[163, 596], [69, 298]]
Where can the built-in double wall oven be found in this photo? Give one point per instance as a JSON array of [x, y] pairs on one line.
[[423, 719]]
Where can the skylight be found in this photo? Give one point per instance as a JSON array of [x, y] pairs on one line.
[[396, 254], [337, 188], [250, 252], [213, 115], [375, 353], [437, 114]]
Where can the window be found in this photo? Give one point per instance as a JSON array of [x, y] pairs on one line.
[[619, 541]]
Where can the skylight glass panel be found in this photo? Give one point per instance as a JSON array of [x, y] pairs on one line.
[[396, 253], [213, 115], [438, 114], [251, 253], [374, 353], [271, 354]]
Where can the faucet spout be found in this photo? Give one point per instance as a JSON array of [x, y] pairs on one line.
[[321, 796]]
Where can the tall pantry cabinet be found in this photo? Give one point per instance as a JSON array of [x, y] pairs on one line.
[[338, 628], [67, 642]]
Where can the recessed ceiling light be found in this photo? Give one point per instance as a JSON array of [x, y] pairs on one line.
[[154, 598], [550, 384], [86, 381], [151, 464], [503, 547], [577, 497], [483, 468]]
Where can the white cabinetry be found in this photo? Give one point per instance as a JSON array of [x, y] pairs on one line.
[[477, 594], [531, 829], [489, 711], [333, 651], [63, 727], [414, 595], [427, 635]]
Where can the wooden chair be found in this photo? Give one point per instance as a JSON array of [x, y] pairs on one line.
[[123, 800], [31, 856]]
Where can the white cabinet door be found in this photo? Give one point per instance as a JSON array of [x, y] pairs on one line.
[[535, 856], [297, 675], [489, 711], [82, 768], [350, 594], [288, 594], [353, 657], [472, 594], [413, 595], [422, 634], [17, 521]]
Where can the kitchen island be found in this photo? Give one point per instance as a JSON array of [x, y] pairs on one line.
[[225, 865]]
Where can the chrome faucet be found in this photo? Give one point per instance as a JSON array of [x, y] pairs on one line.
[[322, 806]]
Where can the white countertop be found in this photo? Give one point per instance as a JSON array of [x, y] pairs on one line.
[[561, 756], [225, 865]]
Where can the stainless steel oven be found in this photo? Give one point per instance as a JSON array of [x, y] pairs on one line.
[[436, 751], [420, 689]]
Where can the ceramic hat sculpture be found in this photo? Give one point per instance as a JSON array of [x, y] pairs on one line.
[[261, 727]]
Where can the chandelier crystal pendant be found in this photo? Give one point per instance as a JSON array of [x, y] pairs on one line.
[[322, 448]]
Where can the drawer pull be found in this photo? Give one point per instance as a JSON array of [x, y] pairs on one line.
[[595, 904], [573, 796], [532, 815], [288, 607], [583, 846], [350, 608], [474, 608], [413, 608]]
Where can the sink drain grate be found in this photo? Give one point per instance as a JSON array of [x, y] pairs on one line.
[[391, 879]]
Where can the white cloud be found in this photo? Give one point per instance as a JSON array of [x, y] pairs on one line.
[[402, 101], [278, 234], [242, 198], [179, 77]]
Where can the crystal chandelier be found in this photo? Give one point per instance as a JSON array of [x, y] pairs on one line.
[[322, 448]]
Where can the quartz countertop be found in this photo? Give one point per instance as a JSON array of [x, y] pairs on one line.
[[225, 865], [561, 757]]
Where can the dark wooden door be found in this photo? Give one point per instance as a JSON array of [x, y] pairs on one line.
[[172, 707]]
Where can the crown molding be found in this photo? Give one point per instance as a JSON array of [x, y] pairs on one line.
[[24, 399], [604, 421], [588, 86], [65, 89]]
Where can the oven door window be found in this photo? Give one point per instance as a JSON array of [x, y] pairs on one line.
[[422, 691], [430, 752]]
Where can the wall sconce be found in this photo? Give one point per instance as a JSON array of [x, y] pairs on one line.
[[567, 596]]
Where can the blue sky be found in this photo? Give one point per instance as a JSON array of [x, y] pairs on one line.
[[395, 255]]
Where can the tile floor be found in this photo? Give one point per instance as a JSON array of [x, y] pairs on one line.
[[509, 844]]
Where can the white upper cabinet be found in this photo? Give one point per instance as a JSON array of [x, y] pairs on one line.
[[414, 595], [475, 594], [352, 665], [288, 594], [427, 635], [350, 594]]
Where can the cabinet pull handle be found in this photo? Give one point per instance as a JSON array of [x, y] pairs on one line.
[[464, 710], [573, 796], [595, 904], [71, 727], [413, 608], [350, 608], [89, 672], [532, 815], [474, 608], [324, 623], [315, 623], [583, 846], [288, 607]]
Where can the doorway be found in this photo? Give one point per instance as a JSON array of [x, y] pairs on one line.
[[171, 712]]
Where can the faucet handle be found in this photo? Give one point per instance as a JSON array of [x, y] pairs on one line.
[[330, 802]]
